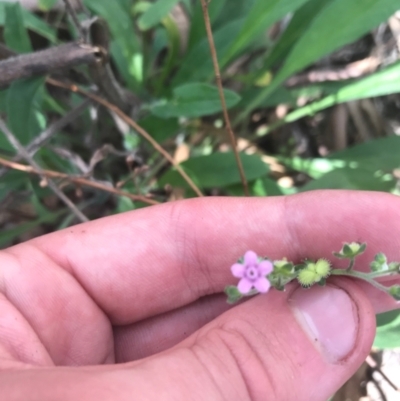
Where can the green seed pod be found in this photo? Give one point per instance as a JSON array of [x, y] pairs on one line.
[[323, 268], [307, 277]]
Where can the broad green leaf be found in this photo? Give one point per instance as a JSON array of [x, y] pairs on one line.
[[381, 153], [216, 170], [124, 205], [315, 168], [15, 34], [155, 13], [31, 22], [261, 16], [23, 100], [261, 187], [39, 26], [367, 166], [323, 36], [194, 100], [388, 331], [160, 129], [356, 179]]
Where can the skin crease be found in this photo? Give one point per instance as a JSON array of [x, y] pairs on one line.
[[131, 304]]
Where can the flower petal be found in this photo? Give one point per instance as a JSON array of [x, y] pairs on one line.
[[250, 258], [265, 267], [244, 286], [238, 270], [262, 285]]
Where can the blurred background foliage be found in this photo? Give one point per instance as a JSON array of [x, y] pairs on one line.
[[312, 88]]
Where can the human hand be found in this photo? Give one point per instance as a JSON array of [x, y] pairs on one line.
[[130, 306]]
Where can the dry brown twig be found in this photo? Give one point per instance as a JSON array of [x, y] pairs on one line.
[[24, 153], [76, 180], [133, 124], [45, 61], [204, 4]]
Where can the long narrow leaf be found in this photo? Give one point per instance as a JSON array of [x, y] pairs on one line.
[[155, 13], [262, 15], [323, 36], [15, 34]]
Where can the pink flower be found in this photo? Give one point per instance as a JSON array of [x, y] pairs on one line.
[[252, 273]]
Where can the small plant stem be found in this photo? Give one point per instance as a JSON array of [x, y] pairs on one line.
[[25, 154], [386, 273], [142, 132], [76, 180], [351, 264], [217, 72], [362, 276]]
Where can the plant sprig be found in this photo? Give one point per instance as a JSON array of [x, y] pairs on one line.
[[310, 272]]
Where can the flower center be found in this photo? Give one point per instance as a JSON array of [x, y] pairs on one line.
[[252, 273]]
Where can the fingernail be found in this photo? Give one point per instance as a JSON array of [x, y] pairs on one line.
[[329, 317]]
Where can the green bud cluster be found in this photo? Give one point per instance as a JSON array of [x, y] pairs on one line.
[[351, 250]]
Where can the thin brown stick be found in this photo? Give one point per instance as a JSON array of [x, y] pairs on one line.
[[131, 123], [204, 4], [75, 180], [24, 153]]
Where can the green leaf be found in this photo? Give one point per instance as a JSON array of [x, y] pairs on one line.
[[23, 101], [348, 178], [296, 28], [46, 5], [155, 13], [31, 22], [377, 154], [384, 82], [261, 16], [216, 170], [381, 153], [172, 58], [12, 181], [15, 34], [194, 100], [367, 166], [160, 129], [323, 36], [394, 291], [233, 294], [388, 331]]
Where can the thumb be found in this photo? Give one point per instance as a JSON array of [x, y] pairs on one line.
[[302, 345]]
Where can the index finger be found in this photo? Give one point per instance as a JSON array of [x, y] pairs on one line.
[[145, 262]]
